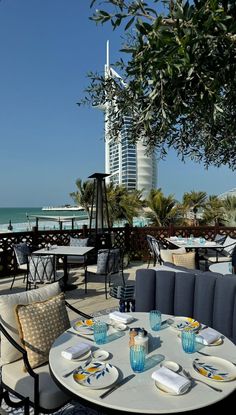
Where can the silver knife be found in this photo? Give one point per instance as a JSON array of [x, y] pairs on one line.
[[117, 385]]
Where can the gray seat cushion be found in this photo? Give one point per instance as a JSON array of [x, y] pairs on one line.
[[14, 376]]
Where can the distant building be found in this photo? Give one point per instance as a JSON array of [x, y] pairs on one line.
[[127, 164], [231, 192]]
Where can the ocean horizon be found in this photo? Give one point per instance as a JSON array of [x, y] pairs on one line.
[[21, 218]]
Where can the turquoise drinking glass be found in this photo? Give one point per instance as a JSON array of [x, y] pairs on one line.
[[100, 332], [155, 319], [137, 358], [188, 339]]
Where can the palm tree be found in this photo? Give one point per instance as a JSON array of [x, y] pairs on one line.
[[213, 213], [83, 195], [229, 205], [122, 204], [163, 210], [192, 201]]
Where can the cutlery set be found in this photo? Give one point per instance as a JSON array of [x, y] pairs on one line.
[[128, 378]]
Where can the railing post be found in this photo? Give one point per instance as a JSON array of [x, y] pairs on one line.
[[127, 237], [34, 237], [5, 269], [85, 231], [171, 229], [216, 230]]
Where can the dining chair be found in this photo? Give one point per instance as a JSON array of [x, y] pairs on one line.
[[41, 314], [21, 253], [41, 270], [154, 249], [109, 263], [223, 254]]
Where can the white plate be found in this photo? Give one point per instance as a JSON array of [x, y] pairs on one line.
[[181, 323], [215, 368], [100, 355], [84, 326], [168, 391], [96, 375]]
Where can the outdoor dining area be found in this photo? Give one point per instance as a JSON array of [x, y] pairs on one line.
[[87, 327]]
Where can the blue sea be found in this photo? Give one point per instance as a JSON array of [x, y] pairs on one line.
[[22, 219]]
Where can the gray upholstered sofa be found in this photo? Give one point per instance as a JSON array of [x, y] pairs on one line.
[[206, 296]]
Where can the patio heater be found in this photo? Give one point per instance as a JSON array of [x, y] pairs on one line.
[[99, 218]]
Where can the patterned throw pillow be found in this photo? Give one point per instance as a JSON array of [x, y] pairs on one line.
[[102, 261], [108, 261], [185, 260], [22, 250], [167, 254], [78, 242], [40, 323]]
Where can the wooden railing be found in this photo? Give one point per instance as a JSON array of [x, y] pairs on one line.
[[131, 239]]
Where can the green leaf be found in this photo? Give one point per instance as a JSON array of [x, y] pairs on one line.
[[130, 22]]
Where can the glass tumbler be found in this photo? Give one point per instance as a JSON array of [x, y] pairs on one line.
[[155, 319], [188, 338], [137, 358], [100, 332]]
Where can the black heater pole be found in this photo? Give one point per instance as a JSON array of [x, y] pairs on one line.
[[101, 226]]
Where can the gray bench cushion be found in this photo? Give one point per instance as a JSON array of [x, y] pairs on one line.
[[209, 297]]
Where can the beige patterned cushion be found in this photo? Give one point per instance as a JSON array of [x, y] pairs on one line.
[[167, 254], [40, 323], [8, 318], [185, 260]]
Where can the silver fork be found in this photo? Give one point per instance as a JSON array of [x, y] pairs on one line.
[[190, 377]]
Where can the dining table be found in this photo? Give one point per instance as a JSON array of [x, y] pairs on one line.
[[195, 244], [64, 251], [140, 394]]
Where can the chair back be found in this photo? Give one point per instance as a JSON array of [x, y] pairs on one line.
[[154, 248], [22, 251], [109, 261], [41, 268]]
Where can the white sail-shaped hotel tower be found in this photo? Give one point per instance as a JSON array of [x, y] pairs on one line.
[[128, 164]]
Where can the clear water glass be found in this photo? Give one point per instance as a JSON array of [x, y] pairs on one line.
[[155, 319], [137, 358], [188, 339], [100, 332]]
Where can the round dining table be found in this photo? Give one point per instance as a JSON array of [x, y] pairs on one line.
[[140, 395]]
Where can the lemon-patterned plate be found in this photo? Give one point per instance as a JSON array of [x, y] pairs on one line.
[[181, 323], [215, 368], [96, 375], [84, 326]]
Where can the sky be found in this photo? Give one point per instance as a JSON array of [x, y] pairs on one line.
[[47, 48]]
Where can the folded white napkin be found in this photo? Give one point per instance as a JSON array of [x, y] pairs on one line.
[[173, 238], [174, 382], [210, 243], [208, 336], [76, 351], [121, 317]]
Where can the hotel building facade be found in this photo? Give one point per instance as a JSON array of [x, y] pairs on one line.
[[128, 164]]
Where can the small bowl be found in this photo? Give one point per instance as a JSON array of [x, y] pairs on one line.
[[100, 355], [120, 326]]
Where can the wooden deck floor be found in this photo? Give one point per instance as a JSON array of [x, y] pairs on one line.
[[91, 302]]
